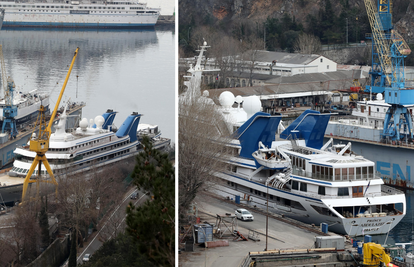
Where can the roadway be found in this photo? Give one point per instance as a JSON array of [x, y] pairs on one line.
[[281, 236], [112, 225]]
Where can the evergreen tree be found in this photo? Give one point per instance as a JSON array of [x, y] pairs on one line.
[[72, 255], [152, 224]]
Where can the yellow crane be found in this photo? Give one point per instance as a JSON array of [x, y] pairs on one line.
[[374, 254], [40, 143]]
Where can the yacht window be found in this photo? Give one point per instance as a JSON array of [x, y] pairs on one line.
[[321, 190], [344, 174], [358, 173], [371, 171], [295, 185], [303, 187], [343, 191], [351, 173], [364, 172]]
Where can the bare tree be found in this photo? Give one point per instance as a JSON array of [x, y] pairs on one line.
[[83, 197], [112, 226], [250, 49], [23, 233], [200, 153], [224, 50], [307, 44]]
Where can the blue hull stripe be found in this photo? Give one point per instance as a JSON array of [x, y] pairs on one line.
[[74, 24], [314, 199]]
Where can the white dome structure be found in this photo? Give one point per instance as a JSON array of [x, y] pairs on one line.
[[379, 96], [83, 124], [99, 121], [226, 99], [251, 105], [239, 99]]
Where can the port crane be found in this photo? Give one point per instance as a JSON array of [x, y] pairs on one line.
[[374, 254], [40, 143], [10, 110], [387, 73]]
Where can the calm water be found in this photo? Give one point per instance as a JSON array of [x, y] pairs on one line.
[[403, 232], [124, 70]]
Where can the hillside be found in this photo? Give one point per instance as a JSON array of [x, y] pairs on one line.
[[279, 22], [224, 11]]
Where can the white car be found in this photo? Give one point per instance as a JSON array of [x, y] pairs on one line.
[[244, 215], [87, 257]]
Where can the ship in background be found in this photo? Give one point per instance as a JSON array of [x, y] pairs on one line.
[[27, 104], [382, 129], [89, 14]]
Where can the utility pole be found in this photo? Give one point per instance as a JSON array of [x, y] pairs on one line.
[[264, 41], [267, 213]]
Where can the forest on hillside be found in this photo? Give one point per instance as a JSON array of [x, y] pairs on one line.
[[279, 25]]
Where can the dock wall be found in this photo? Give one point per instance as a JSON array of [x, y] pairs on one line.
[[54, 255], [163, 20]]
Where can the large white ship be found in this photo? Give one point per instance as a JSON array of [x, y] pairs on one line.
[[322, 184], [365, 128], [92, 145], [106, 14]]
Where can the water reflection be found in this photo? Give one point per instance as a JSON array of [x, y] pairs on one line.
[[118, 69]]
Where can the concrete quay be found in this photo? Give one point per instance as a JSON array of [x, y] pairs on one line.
[[289, 236]]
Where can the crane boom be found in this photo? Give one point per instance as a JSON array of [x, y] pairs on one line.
[[40, 143], [3, 70], [387, 73], [381, 43]]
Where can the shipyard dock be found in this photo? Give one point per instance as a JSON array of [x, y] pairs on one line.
[[290, 242], [283, 234]]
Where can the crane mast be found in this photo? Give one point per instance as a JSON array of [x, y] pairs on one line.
[[387, 73], [40, 143]]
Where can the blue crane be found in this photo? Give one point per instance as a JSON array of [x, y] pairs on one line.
[[10, 110], [387, 73]]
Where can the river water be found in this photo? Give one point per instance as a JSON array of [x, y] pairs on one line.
[[123, 70]]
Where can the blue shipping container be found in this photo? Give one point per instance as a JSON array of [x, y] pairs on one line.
[[204, 233]]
